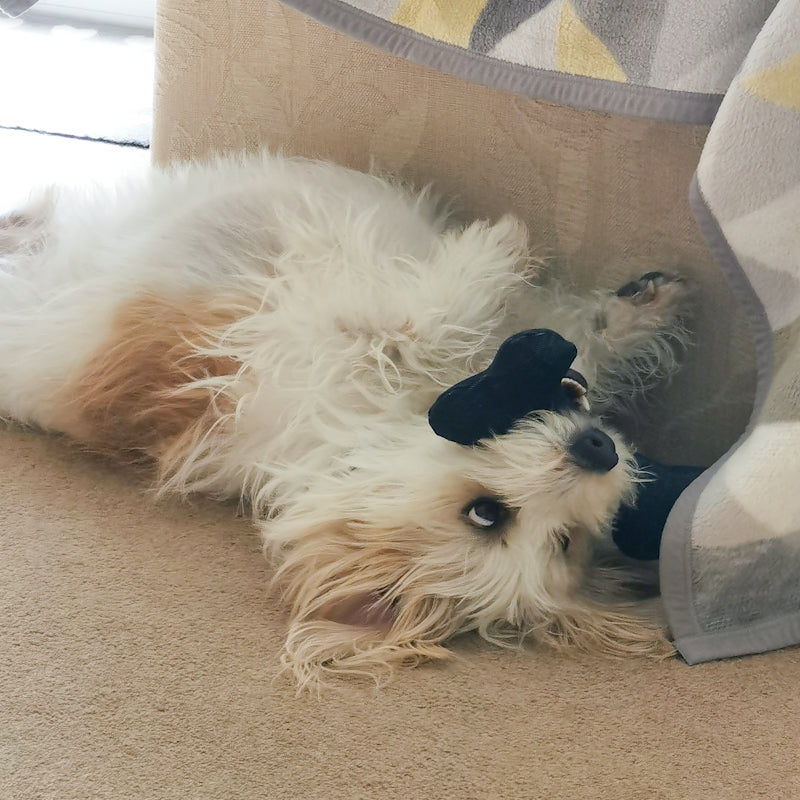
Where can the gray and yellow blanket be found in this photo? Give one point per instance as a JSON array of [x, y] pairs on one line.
[[13, 8], [730, 558]]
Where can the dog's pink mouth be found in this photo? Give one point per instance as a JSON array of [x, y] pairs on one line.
[[364, 610]]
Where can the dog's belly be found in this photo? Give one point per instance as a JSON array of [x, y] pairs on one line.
[[177, 378], [269, 307]]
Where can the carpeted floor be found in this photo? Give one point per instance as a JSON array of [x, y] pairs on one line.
[[138, 650], [138, 655]]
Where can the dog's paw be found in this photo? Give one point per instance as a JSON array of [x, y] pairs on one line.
[[654, 288], [655, 300]]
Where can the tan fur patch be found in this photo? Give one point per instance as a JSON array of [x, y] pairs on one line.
[[134, 399]]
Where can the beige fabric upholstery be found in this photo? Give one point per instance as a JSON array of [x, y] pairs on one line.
[[606, 196]]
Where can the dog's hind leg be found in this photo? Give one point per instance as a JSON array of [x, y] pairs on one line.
[[50, 323]]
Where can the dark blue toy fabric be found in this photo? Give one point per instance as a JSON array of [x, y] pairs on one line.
[[637, 529], [525, 376]]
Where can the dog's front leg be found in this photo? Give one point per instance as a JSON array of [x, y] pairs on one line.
[[627, 339], [635, 336]]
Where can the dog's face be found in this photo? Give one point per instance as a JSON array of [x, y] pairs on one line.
[[420, 538]]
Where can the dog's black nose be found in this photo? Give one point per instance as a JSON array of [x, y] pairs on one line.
[[594, 451]]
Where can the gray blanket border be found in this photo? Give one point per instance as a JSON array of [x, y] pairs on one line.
[[695, 644], [594, 94], [13, 8]]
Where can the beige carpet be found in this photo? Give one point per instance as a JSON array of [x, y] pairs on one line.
[[138, 652]]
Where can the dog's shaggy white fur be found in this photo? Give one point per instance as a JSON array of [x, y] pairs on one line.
[[275, 330]]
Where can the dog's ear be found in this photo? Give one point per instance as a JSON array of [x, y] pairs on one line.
[[356, 603], [367, 641], [366, 609], [341, 626]]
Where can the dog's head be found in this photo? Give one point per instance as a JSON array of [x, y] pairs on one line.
[[418, 538]]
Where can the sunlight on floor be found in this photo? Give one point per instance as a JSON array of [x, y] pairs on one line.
[[28, 160], [85, 81]]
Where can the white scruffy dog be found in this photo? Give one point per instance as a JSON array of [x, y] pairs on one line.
[[276, 330]]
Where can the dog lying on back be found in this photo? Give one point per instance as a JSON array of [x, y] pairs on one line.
[[276, 330]]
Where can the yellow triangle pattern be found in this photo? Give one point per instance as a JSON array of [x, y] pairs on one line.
[[449, 21], [580, 52], [779, 84]]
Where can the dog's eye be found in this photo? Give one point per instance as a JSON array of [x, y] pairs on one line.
[[486, 513], [576, 386], [563, 541]]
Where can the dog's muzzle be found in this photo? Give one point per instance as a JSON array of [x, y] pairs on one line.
[[593, 451]]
